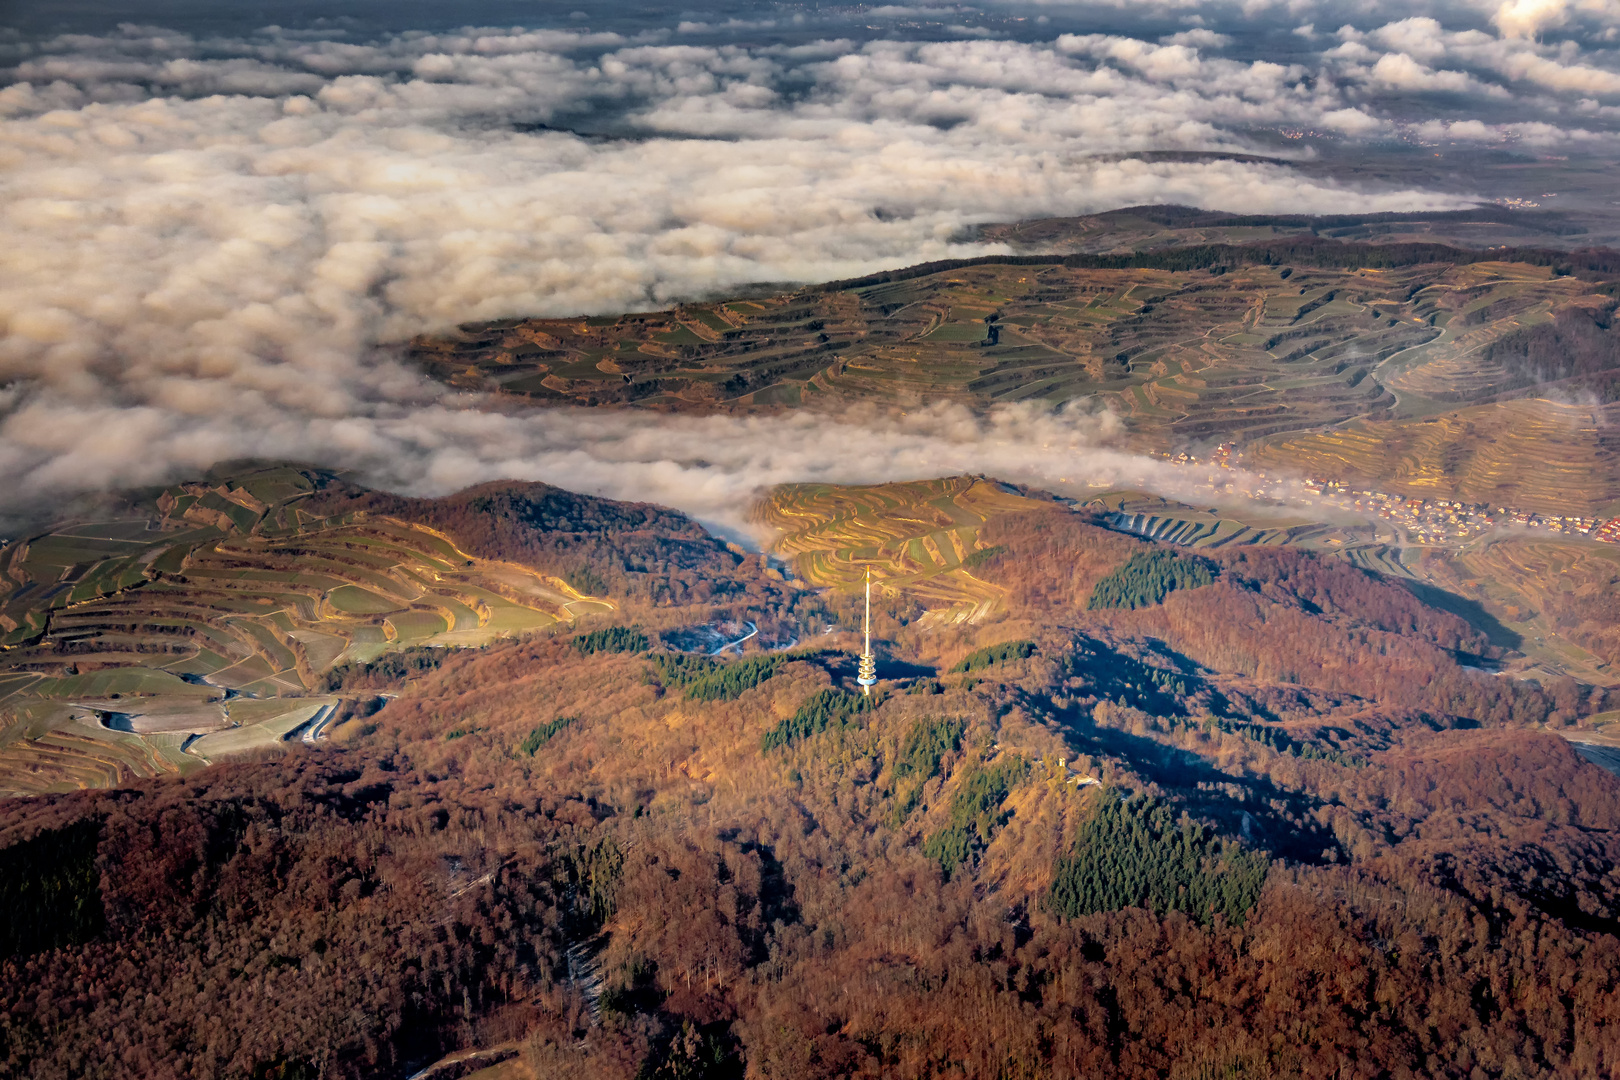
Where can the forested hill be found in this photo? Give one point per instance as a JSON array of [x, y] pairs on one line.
[[564, 855], [1595, 264], [1144, 813], [597, 545], [1192, 217]]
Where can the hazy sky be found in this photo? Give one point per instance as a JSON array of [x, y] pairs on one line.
[[211, 215]]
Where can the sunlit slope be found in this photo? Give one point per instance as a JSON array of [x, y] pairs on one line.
[[1474, 307], [1248, 351], [263, 610], [919, 537], [1546, 456], [1188, 357], [1173, 522], [1184, 355], [1560, 600], [218, 606]]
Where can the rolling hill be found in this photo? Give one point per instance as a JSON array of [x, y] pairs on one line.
[[1300, 351], [518, 783], [208, 619], [921, 538], [1132, 816]]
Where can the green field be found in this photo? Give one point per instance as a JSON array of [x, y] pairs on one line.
[[416, 626], [258, 730], [353, 600]]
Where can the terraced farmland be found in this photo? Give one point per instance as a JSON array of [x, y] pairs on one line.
[[1545, 456], [151, 642], [1557, 601], [918, 537], [1186, 355], [1159, 519], [1291, 357]]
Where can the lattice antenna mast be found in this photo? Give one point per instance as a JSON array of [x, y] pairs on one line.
[[868, 669]]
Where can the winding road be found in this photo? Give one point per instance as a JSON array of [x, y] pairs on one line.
[[753, 631], [315, 726]]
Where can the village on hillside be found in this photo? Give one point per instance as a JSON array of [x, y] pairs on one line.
[[1425, 521]]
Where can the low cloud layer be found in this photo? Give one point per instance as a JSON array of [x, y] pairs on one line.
[[712, 467], [207, 242]]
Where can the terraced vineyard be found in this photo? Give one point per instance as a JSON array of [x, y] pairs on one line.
[[1183, 355], [1309, 365], [918, 537], [1558, 602], [154, 641], [1159, 519], [1546, 456]]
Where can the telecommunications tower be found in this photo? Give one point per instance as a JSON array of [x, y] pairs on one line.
[[868, 670]]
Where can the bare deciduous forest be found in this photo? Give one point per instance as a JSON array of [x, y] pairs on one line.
[[1278, 819]]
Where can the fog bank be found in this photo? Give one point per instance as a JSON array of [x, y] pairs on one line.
[[206, 243]]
